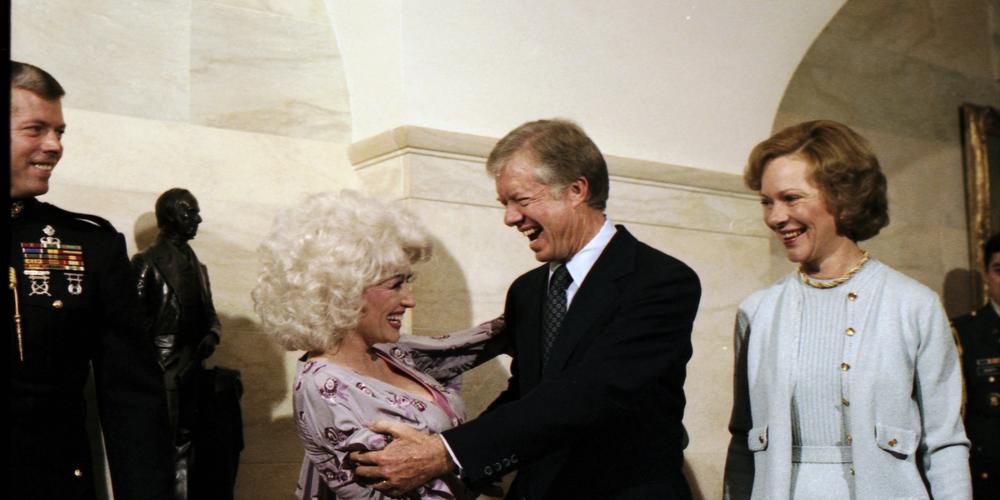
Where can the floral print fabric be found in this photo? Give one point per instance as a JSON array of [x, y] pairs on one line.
[[333, 406]]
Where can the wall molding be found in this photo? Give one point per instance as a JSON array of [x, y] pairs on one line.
[[435, 142]]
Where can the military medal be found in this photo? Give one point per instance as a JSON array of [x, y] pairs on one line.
[[75, 286], [49, 238], [50, 254], [40, 260], [39, 282]]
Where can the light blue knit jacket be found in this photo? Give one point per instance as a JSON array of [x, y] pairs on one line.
[[903, 383]]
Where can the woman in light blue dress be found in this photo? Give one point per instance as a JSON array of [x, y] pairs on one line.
[[847, 381]]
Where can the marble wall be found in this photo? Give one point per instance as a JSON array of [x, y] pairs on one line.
[[661, 80], [245, 103], [897, 71]]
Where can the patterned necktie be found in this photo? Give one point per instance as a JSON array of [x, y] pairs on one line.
[[554, 310]]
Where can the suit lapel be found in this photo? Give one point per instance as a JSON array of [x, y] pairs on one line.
[[163, 257], [596, 294], [166, 256]]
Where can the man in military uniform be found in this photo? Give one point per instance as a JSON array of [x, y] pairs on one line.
[[69, 285], [176, 303], [978, 335]]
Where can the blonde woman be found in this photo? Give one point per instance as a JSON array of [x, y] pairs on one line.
[[335, 283]]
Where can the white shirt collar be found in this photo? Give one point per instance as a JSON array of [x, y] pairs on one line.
[[996, 308], [580, 263]]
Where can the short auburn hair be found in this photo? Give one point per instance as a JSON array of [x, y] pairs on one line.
[[844, 168]]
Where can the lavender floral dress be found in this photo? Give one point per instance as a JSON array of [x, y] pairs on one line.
[[333, 406]]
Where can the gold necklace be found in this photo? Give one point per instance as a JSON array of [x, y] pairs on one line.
[[832, 283]]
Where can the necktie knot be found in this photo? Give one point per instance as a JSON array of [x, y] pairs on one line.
[[560, 279]]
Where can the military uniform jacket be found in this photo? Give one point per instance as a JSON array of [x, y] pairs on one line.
[[979, 337], [73, 296]]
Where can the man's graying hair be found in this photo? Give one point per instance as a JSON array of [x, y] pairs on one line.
[[563, 152]]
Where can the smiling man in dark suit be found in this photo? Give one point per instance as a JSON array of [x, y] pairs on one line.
[[601, 338]]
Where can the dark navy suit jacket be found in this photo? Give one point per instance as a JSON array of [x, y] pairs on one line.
[[603, 418]]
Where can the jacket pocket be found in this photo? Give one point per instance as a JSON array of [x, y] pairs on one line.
[[896, 440], [757, 438]]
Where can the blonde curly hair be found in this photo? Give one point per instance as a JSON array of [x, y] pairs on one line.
[[321, 255]]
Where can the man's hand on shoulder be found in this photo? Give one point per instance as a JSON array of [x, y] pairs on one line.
[[412, 459]]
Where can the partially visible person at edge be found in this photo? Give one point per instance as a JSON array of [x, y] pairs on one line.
[[847, 382], [978, 334], [72, 308], [601, 334], [335, 283]]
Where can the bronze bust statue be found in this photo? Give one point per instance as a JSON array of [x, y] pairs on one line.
[[176, 301]]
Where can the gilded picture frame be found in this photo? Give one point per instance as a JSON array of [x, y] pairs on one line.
[[981, 152]]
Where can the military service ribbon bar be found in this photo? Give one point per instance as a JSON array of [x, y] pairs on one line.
[[52, 257]]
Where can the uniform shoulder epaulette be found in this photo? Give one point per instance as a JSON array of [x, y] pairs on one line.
[[87, 218]]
